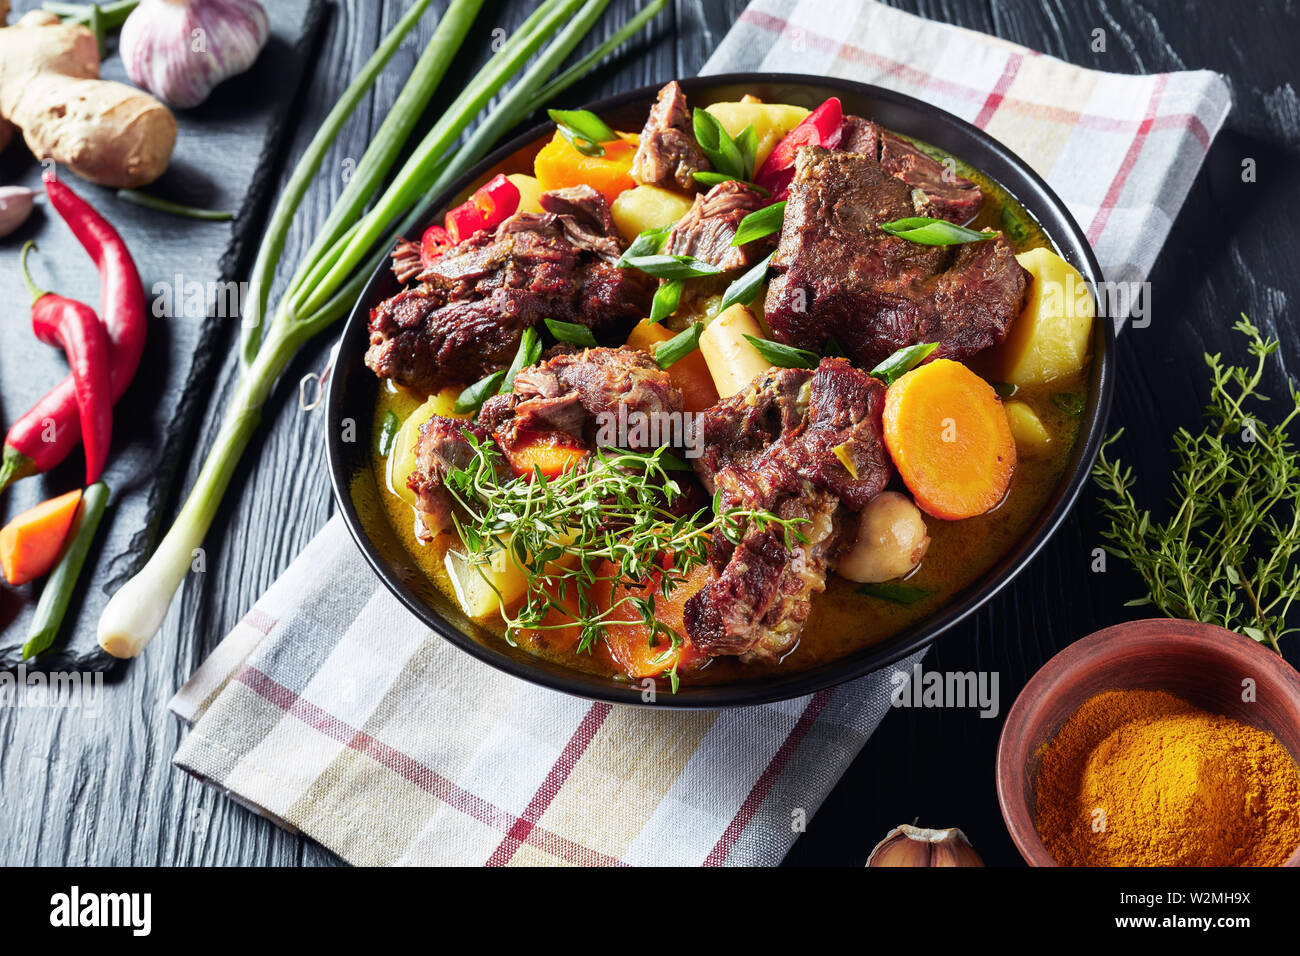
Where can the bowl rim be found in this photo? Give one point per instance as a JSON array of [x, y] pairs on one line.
[[982, 152], [1016, 815]]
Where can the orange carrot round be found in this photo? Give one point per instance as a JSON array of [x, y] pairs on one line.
[[30, 544], [626, 635], [950, 440]]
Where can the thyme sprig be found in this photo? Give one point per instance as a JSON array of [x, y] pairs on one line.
[[1224, 556], [559, 532]]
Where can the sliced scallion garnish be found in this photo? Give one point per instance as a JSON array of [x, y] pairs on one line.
[[904, 360], [933, 232], [679, 346], [782, 355], [760, 223], [571, 333]]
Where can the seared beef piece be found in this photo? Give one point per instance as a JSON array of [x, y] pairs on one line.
[[839, 275], [945, 194], [667, 154], [571, 391], [441, 447], [772, 447], [707, 229], [584, 214], [465, 317], [407, 261]]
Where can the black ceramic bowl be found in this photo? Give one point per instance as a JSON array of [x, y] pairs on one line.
[[353, 389]]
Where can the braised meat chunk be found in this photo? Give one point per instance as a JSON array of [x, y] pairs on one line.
[[668, 154], [706, 231], [560, 401], [839, 275], [802, 444], [464, 317]]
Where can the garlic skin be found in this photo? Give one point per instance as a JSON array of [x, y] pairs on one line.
[[179, 50], [15, 206], [908, 845]]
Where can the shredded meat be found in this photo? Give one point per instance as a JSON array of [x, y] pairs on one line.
[[667, 154], [707, 229]]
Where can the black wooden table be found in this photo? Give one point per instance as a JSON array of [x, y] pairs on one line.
[[78, 789]]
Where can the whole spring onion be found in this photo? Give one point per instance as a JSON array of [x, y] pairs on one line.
[[328, 280]]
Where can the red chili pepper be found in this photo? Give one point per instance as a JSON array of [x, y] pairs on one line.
[[463, 221], [49, 431], [433, 243], [822, 127], [74, 327], [497, 200]]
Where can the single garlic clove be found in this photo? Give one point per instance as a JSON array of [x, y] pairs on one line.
[[179, 50], [909, 845], [15, 206]]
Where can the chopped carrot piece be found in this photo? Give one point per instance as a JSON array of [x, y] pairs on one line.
[[950, 439], [560, 165], [551, 452], [626, 635], [30, 544], [689, 373]]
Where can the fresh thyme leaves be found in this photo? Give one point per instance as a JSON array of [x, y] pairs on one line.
[[607, 527], [1225, 554]]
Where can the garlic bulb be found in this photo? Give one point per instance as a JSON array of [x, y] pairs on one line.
[[179, 50], [920, 846], [15, 207]]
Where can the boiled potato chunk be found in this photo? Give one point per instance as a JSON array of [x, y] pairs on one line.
[[1032, 438], [1049, 340], [771, 121], [530, 191], [481, 589], [401, 458], [647, 207]]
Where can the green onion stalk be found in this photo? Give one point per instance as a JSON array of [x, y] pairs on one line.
[[353, 242]]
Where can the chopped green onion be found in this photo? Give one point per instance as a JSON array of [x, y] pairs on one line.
[[898, 593], [679, 346], [745, 289], [783, 356], [529, 351], [583, 129], [833, 348], [388, 432], [473, 397], [719, 147], [57, 592], [904, 360], [174, 208], [571, 333], [672, 267], [1004, 389], [712, 179], [933, 232], [1069, 402], [760, 223], [647, 243], [667, 298], [747, 143]]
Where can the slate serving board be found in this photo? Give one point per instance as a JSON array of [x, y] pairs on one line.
[[228, 151]]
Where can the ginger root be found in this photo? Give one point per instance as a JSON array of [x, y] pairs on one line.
[[107, 132]]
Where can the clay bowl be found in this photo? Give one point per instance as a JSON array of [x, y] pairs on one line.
[[1201, 663]]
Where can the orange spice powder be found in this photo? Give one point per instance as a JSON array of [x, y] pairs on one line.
[[1143, 778]]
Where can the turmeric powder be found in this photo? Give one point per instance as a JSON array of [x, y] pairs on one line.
[[1144, 778]]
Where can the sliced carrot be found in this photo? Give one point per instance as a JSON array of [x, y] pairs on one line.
[[552, 452], [559, 165], [950, 440], [689, 373], [30, 544], [627, 636]]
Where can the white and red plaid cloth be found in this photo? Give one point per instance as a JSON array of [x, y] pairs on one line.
[[332, 709]]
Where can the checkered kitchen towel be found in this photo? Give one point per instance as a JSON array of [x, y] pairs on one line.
[[332, 709]]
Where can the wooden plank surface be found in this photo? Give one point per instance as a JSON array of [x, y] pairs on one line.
[[81, 788]]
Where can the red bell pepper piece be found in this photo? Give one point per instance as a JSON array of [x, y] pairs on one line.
[[497, 200], [822, 127]]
